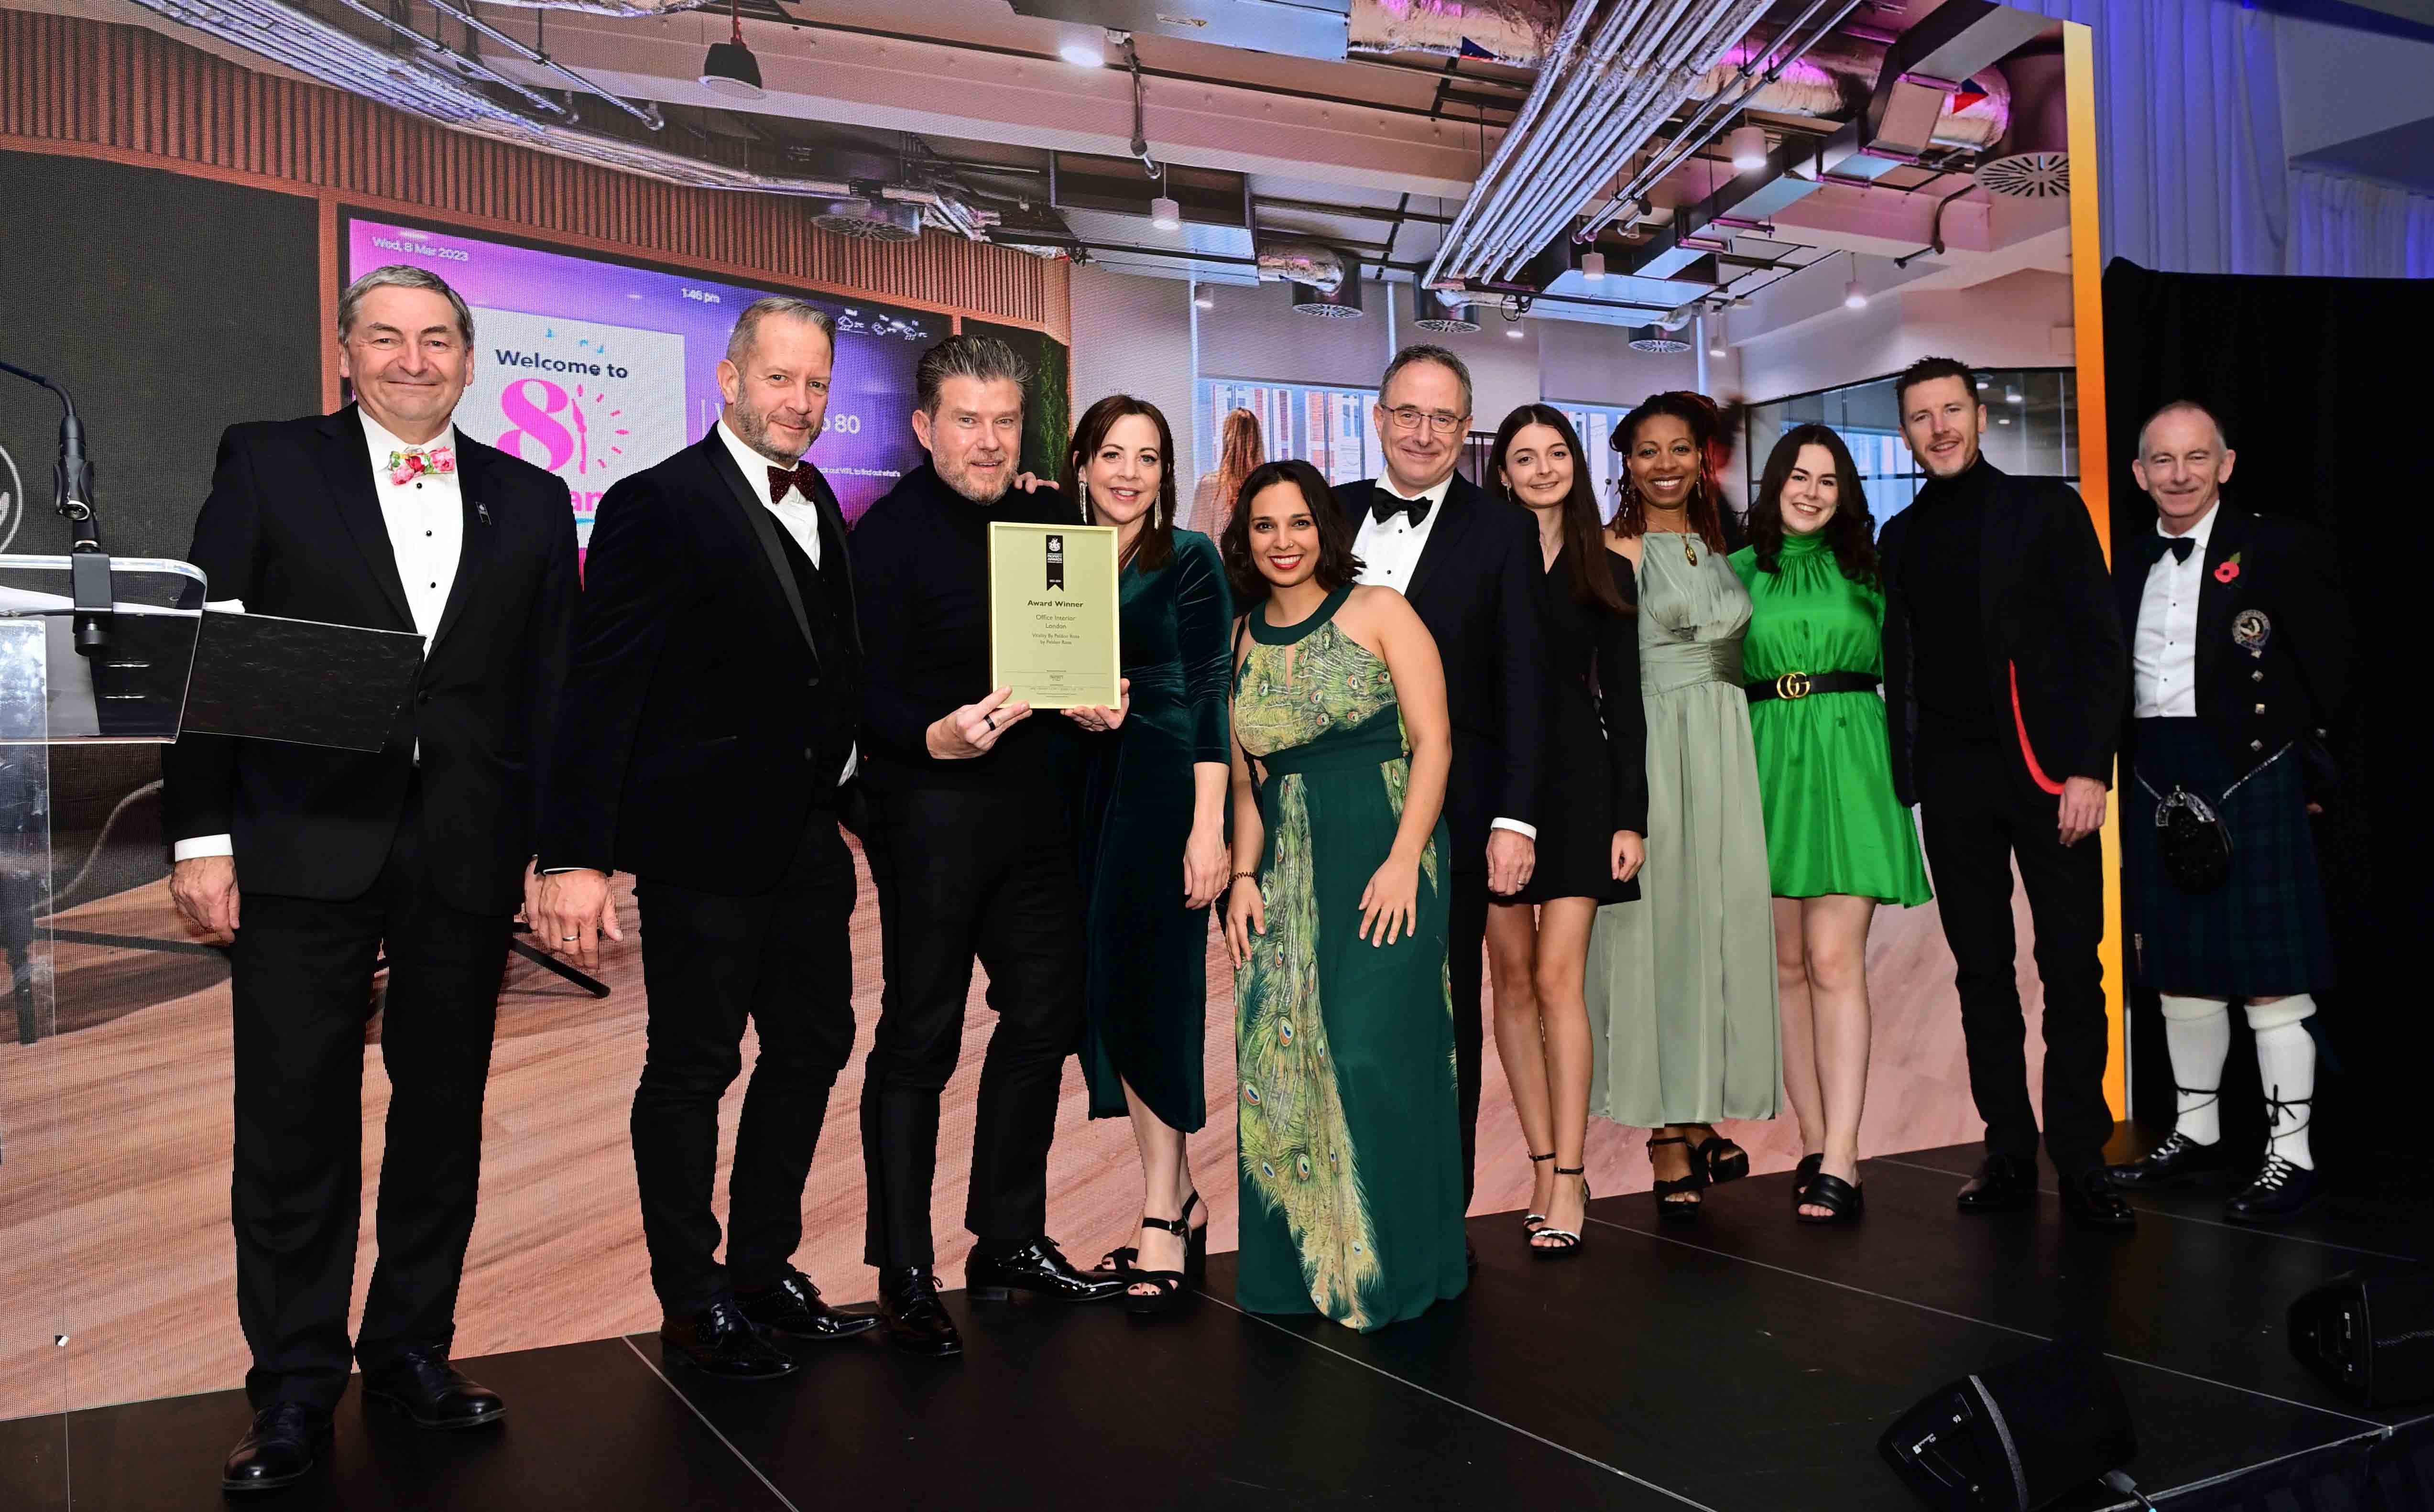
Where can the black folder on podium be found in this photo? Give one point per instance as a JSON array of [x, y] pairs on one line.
[[263, 678]]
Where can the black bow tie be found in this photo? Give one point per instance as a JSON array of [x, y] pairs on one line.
[[2179, 546], [1387, 506], [798, 477]]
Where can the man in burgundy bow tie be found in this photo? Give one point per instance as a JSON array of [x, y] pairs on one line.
[[707, 736]]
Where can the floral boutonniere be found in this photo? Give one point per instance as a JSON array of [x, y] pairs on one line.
[[2229, 570]]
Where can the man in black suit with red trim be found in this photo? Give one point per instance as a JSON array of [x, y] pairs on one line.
[[381, 515], [2004, 676]]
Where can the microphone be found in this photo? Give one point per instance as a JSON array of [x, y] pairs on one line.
[[72, 495]]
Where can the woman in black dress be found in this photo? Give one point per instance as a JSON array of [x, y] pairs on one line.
[[1592, 818]]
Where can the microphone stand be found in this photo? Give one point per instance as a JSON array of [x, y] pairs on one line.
[[72, 492]]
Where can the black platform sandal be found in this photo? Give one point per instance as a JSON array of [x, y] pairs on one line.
[[1567, 1241], [1843, 1200], [1802, 1174], [1723, 1159], [1666, 1191], [1529, 1221], [1195, 1248], [1173, 1285]]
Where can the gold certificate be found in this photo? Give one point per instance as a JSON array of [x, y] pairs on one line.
[[1053, 602]]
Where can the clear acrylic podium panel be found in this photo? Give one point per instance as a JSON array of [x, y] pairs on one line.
[[118, 706]]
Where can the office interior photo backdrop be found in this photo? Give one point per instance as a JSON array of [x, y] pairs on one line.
[[202, 295]]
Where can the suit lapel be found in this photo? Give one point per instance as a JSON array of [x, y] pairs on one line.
[[764, 527], [474, 540], [832, 549], [347, 472], [1455, 516], [2217, 601]]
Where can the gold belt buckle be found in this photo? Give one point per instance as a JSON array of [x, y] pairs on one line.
[[1792, 685]]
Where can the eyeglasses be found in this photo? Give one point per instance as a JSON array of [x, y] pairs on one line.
[[1410, 415]]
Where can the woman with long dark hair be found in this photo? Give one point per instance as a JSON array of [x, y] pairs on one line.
[[1153, 798], [1678, 982], [1337, 917], [1838, 842], [1597, 800]]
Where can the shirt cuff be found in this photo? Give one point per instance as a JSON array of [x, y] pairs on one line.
[[1526, 832], [200, 845]]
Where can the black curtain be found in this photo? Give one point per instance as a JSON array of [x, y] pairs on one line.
[[2321, 383]]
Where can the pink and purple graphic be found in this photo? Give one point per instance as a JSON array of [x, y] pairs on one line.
[[596, 368]]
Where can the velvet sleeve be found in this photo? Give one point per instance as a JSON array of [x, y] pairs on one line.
[[199, 771], [1204, 615]]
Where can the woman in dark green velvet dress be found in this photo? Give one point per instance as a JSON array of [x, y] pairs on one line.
[[1152, 828]]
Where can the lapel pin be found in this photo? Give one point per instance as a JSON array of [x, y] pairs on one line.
[[481, 512], [2251, 630]]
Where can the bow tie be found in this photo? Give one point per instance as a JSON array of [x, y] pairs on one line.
[[1387, 506], [2179, 546], [798, 477], [404, 467]]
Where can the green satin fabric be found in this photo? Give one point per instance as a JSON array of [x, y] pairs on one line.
[[1681, 982], [1146, 991], [1825, 768]]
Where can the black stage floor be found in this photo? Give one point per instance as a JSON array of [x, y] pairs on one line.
[[1742, 1365]]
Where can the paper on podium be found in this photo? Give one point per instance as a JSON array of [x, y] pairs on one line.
[[263, 678]]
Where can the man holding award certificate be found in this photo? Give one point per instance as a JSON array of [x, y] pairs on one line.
[[979, 607]]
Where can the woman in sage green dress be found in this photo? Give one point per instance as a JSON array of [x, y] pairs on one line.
[[1681, 983], [1838, 842], [1351, 1153], [1152, 824]]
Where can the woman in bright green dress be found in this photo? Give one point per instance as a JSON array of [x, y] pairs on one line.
[[1336, 920], [1838, 842]]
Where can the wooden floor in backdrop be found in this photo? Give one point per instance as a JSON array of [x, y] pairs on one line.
[[115, 1257]]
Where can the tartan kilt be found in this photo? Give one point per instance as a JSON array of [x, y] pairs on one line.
[[2263, 933]]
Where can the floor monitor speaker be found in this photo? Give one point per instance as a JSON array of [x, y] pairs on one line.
[[2017, 1437], [2369, 1335]]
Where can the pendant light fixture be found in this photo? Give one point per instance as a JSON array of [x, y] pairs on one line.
[[731, 69]]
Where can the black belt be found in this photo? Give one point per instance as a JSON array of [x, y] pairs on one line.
[[1801, 684]]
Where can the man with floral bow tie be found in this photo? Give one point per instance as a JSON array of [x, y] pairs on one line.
[[312, 863]]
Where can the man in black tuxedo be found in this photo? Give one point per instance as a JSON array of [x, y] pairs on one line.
[[973, 855], [2004, 674], [1472, 570], [2240, 657], [380, 515], [706, 733]]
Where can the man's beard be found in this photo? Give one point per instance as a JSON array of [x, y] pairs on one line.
[[961, 480], [753, 426]]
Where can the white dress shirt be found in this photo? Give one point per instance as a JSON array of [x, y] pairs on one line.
[[425, 517], [2164, 649], [800, 517], [1390, 553]]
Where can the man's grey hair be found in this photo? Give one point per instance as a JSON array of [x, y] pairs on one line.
[[2185, 406], [779, 306], [1427, 351], [400, 276], [984, 359]]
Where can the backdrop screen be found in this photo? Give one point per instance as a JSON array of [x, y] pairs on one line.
[[597, 367]]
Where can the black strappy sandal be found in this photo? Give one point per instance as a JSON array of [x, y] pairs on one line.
[[1567, 1241], [1195, 1248], [1173, 1285], [1723, 1159], [1843, 1200], [1529, 1221], [1667, 1209], [1802, 1174]]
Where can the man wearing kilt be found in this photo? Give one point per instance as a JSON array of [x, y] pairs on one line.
[[2240, 657]]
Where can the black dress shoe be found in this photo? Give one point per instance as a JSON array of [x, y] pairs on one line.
[[284, 1444], [720, 1340], [2091, 1202], [424, 1386], [2004, 1184], [916, 1322], [2281, 1192], [2175, 1163], [792, 1307], [1038, 1267]]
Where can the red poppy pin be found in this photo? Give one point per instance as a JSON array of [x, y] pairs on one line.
[[2229, 570]]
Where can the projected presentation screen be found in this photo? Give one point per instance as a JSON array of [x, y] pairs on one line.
[[597, 367]]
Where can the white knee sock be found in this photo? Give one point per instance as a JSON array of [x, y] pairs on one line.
[[2198, 1033], [2286, 1065]]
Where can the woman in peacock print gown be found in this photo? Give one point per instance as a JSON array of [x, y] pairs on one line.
[[1351, 1158]]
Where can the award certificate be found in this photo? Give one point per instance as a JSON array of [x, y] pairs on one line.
[[1053, 602]]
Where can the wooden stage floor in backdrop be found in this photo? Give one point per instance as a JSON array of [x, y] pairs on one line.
[[1745, 1365], [114, 1138]]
